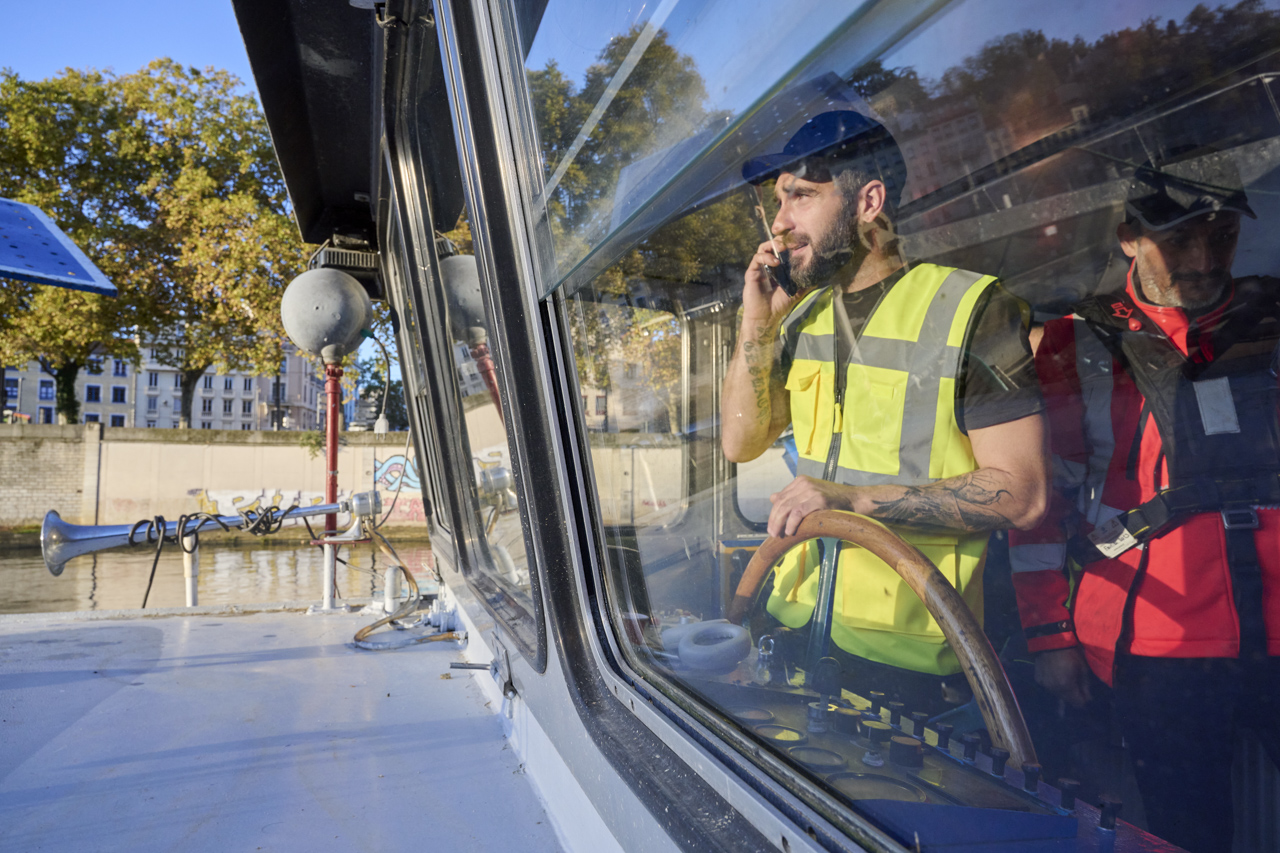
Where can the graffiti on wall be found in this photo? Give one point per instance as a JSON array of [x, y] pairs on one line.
[[387, 474]]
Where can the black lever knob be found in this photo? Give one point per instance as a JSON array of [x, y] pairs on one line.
[[1031, 777], [944, 731], [876, 731], [1110, 807], [826, 677], [906, 751], [895, 713], [847, 721], [999, 756], [876, 698], [1069, 789], [918, 719], [970, 742]]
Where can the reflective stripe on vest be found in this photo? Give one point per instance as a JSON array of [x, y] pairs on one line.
[[900, 382]]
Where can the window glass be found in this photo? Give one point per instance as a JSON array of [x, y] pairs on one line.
[[118, 394], [46, 389], [498, 561], [93, 393], [946, 185]]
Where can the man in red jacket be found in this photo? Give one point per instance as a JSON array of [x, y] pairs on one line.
[[1158, 565]]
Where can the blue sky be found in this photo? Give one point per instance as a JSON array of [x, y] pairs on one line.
[[727, 35], [39, 39]]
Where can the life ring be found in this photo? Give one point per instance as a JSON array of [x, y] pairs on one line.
[[717, 646]]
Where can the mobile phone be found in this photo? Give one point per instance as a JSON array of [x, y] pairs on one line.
[[781, 274]]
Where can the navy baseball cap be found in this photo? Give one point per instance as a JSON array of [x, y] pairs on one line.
[[837, 133], [1184, 186]]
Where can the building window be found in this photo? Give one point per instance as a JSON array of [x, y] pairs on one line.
[[117, 420], [11, 388], [153, 403], [228, 384], [120, 367], [246, 427], [46, 414], [584, 402], [284, 364], [602, 403], [226, 407], [91, 417], [46, 389], [206, 425], [246, 407], [151, 424], [153, 354], [153, 380], [177, 380], [118, 394], [208, 383], [206, 407], [94, 367], [92, 394], [175, 424], [248, 384]]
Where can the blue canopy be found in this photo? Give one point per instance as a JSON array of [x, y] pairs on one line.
[[33, 249]]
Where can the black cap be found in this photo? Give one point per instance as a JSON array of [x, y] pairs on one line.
[[833, 134], [1184, 185]]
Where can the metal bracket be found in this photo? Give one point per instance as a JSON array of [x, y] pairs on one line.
[[500, 669]]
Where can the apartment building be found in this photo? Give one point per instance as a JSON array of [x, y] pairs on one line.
[[235, 400], [105, 389]]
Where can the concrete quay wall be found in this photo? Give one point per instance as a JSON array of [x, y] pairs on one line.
[[96, 475]]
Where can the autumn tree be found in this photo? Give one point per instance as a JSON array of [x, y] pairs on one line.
[[167, 180], [70, 147]]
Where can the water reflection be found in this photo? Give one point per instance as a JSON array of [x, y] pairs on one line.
[[251, 573]]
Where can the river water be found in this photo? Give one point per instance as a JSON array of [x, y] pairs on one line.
[[248, 573]]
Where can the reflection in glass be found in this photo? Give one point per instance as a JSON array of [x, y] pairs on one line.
[[1020, 129]]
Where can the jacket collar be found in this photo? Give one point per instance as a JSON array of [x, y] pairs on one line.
[[1193, 338]]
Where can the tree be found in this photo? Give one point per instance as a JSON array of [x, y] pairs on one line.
[[69, 146], [372, 386], [167, 180]]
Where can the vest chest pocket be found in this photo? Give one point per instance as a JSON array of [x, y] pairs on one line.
[[812, 388], [875, 403]]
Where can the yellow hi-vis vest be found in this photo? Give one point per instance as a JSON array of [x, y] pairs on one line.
[[897, 426]]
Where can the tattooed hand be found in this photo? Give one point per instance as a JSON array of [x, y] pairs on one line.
[[802, 496]]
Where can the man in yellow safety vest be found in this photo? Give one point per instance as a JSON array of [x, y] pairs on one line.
[[910, 389]]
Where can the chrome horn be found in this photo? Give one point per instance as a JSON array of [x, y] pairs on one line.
[[61, 541]]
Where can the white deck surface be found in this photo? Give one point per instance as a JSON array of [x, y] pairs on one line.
[[248, 732]]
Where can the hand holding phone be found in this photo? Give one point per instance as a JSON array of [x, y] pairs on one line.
[[781, 274]]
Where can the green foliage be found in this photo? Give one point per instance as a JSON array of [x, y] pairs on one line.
[[372, 386], [167, 180]]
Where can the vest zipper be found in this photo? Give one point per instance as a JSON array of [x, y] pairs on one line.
[[837, 420]]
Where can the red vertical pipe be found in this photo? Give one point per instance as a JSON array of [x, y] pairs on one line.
[[332, 420], [484, 363]]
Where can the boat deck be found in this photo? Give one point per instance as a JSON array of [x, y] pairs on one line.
[[268, 731]]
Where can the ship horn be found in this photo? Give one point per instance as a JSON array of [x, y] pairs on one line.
[[61, 541]]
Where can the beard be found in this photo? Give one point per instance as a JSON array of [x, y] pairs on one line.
[[1189, 291], [829, 251]]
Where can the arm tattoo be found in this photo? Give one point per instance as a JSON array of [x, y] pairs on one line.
[[968, 502], [762, 366]]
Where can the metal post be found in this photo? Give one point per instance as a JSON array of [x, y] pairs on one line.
[[333, 395], [191, 569], [391, 589]]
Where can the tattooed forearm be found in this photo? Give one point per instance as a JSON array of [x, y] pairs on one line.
[[761, 360], [971, 502]]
